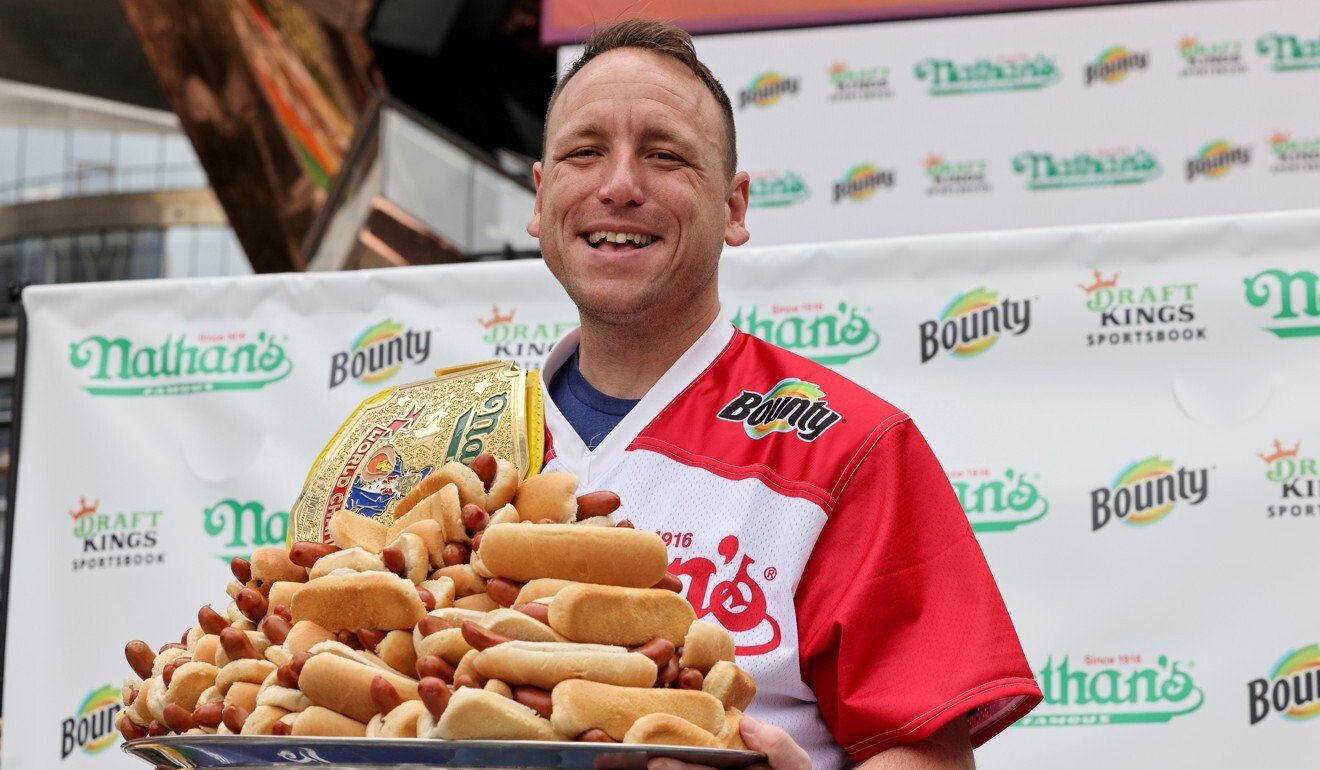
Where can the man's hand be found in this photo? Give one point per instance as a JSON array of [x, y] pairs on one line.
[[780, 750]]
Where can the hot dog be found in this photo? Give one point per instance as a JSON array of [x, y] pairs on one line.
[[605, 555], [580, 705]]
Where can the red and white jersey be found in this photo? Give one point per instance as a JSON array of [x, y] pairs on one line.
[[810, 519]]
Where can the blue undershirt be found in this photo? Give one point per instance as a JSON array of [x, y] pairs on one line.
[[591, 413]]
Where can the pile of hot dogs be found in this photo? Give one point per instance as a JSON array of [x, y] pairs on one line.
[[489, 609]]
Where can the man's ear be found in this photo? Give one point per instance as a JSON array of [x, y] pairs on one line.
[[534, 224], [735, 230]]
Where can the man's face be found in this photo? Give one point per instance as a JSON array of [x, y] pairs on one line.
[[635, 152]]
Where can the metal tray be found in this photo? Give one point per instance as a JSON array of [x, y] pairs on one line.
[[242, 751]]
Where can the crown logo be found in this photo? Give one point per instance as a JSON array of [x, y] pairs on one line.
[[1278, 138], [1187, 42], [1280, 452], [838, 67], [84, 509], [932, 161], [1100, 283], [496, 317]]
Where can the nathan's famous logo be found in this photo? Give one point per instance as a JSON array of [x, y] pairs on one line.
[[861, 181], [738, 603], [1146, 491], [1006, 73], [1217, 58], [1102, 168], [952, 177], [119, 366], [115, 538], [1096, 690], [1140, 315], [792, 406], [766, 89], [1216, 159], [868, 83], [1289, 53], [972, 323], [244, 527], [770, 188], [378, 353], [92, 726], [1292, 155], [1294, 296], [1298, 480], [998, 502], [1115, 64], [827, 336], [1292, 689], [526, 344]]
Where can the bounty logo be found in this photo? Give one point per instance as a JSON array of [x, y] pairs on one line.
[[1102, 168], [92, 727], [972, 323], [1146, 491], [1115, 64], [1287, 293], [1201, 59], [1292, 155], [119, 366], [861, 181], [1006, 73], [791, 406], [769, 189], [1289, 53], [829, 337], [949, 177], [766, 89], [526, 344], [1216, 159], [378, 353], [1292, 689], [999, 502], [243, 527], [848, 84], [1139, 316], [1298, 480], [1100, 690], [119, 539]]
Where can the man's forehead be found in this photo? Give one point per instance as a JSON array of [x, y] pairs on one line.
[[637, 74]]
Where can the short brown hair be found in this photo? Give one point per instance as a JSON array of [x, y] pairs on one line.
[[661, 38]]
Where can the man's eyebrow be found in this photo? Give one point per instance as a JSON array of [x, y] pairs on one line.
[[579, 133]]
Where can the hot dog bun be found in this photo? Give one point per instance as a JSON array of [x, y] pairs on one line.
[[669, 730], [516, 625], [483, 715], [546, 664], [344, 686], [627, 616], [352, 530], [580, 705], [305, 635], [734, 687], [324, 722], [551, 495], [397, 650], [705, 645], [379, 600], [541, 588], [271, 565], [606, 555]]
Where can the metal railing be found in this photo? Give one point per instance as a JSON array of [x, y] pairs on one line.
[[96, 179]]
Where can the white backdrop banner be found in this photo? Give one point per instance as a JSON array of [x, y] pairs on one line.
[[1067, 117], [1128, 414]]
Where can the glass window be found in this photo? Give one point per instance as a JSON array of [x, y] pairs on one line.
[[137, 166], [42, 164], [91, 155]]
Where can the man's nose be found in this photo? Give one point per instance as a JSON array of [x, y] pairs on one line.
[[623, 185]]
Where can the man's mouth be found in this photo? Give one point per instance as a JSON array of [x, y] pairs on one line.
[[614, 242]]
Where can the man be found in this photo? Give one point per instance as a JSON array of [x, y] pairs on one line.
[[808, 516]]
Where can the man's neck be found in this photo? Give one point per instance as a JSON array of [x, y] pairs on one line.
[[625, 360]]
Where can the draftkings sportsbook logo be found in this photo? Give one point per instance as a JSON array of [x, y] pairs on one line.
[[766, 89], [1097, 690], [998, 502], [526, 344], [1141, 315], [1299, 483], [792, 406], [1102, 168], [955, 177], [1146, 491], [115, 539], [771, 189], [972, 323], [1289, 53], [1292, 690], [378, 353], [1216, 58], [1216, 159], [861, 181], [1114, 65], [119, 366], [1006, 73], [1293, 155], [1295, 298], [92, 727], [849, 84], [242, 527], [827, 336]]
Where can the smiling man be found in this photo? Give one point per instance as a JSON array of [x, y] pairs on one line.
[[805, 514]]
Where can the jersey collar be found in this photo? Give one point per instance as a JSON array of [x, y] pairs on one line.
[[572, 452]]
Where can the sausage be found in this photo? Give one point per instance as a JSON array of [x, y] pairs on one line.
[[476, 540], [276, 628], [234, 716], [668, 673], [167, 673], [479, 637], [394, 561], [281, 728], [156, 729], [455, 553], [670, 583], [465, 680], [434, 694], [659, 650], [283, 611], [130, 731], [601, 503], [690, 679], [298, 661], [238, 646], [431, 624], [178, 719], [535, 610], [435, 667], [625, 523], [595, 735], [485, 467], [285, 677], [211, 621], [208, 714], [370, 637], [348, 638], [474, 517], [242, 569], [251, 603], [384, 695], [304, 553], [428, 598], [503, 591], [534, 698], [140, 657]]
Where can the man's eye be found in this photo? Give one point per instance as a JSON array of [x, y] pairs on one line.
[[585, 152]]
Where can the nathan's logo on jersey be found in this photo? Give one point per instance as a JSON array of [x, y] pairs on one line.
[[738, 603], [1096, 690], [1291, 690], [792, 405], [972, 322], [1146, 491]]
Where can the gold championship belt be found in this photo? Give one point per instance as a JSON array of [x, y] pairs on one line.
[[399, 436]]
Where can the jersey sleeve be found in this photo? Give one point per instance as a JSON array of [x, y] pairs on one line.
[[902, 626]]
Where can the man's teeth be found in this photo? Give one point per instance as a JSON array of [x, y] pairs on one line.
[[604, 235]]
